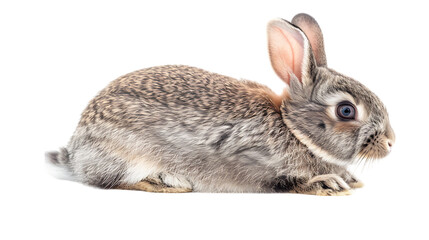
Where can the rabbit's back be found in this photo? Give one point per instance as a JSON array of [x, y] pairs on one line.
[[177, 93]]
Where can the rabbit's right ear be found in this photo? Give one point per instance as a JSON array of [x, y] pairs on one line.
[[290, 52], [314, 34]]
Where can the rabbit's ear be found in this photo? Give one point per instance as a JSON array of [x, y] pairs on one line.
[[314, 34], [290, 52]]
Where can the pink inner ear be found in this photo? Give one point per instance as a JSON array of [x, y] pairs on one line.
[[286, 52]]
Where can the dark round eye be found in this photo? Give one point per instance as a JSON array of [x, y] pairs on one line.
[[346, 111]]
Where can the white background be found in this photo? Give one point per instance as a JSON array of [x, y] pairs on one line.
[[55, 56]]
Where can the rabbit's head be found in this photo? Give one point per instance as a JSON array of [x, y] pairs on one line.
[[336, 117]]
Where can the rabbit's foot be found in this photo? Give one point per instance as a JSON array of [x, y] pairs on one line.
[[325, 185], [175, 181], [154, 185], [356, 184], [351, 180]]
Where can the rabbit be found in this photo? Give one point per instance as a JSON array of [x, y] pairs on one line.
[[178, 128]]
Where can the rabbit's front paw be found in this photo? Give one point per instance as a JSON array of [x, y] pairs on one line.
[[355, 183], [351, 180], [326, 185]]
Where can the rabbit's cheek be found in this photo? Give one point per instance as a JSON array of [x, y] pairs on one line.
[[346, 127]]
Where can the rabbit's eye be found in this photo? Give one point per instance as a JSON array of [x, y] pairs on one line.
[[346, 111]]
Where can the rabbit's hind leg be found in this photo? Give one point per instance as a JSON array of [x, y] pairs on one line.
[[157, 184]]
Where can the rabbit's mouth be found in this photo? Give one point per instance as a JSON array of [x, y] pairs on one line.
[[375, 147]]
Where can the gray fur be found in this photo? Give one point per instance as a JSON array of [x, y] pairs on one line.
[[311, 28], [218, 134]]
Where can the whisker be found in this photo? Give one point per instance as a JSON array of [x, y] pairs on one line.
[[359, 161], [366, 158]]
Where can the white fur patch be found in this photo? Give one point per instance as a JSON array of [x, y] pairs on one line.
[[338, 97], [59, 171], [140, 170]]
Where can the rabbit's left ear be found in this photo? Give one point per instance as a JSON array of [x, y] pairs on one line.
[[290, 52]]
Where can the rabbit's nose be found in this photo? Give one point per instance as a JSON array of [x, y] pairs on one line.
[[389, 145], [390, 137]]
